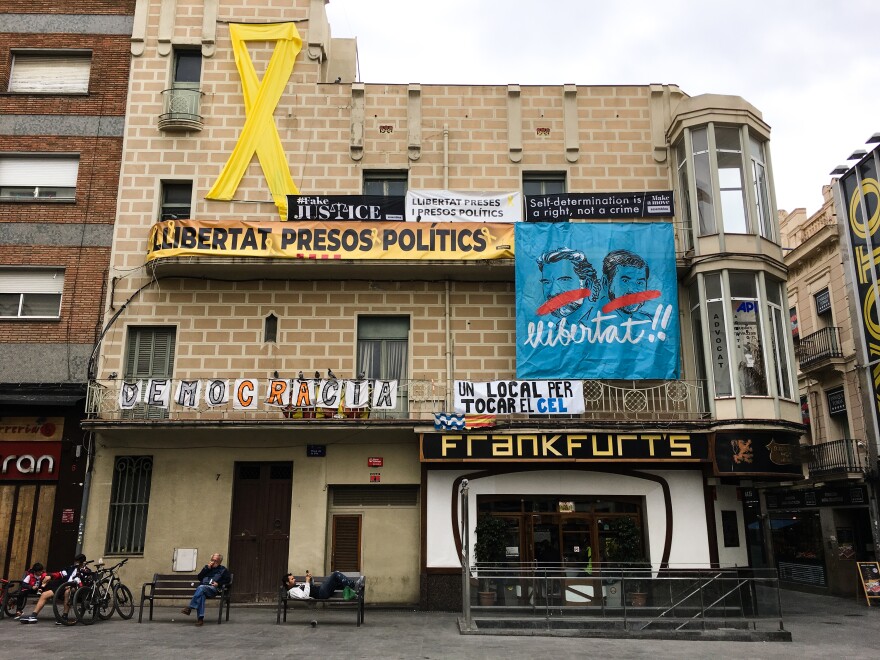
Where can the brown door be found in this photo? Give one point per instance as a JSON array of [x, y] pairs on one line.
[[345, 555], [260, 530]]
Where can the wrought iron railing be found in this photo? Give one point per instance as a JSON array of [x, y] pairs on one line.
[[557, 596], [846, 455], [181, 110], [674, 400], [820, 345]]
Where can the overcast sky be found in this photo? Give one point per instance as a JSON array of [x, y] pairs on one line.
[[811, 67]]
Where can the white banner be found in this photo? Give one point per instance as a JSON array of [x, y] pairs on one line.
[[248, 393], [454, 206], [505, 397]]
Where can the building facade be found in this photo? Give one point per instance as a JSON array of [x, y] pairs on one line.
[[285, 229], [64, 74]]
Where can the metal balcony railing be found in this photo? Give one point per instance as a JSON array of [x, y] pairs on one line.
[[181, 110], [821, 345], [846, 455], [418, 400], [604, 596]]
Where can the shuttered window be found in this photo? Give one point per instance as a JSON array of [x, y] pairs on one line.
[[150, 355], [382, 496], [50, 73], [346, 550], [31, 293], [40, 176]]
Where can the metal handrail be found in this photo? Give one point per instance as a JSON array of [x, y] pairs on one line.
[[542, 592], [820, 345]]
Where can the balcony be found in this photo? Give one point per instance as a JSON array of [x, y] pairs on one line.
[[843, 457], [816, 350], [418, 400], [181, 107]]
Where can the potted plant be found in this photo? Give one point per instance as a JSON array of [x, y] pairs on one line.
[[625, 552], [490, 549]]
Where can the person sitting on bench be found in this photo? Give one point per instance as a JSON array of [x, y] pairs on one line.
[[334, 581], [212, 578]]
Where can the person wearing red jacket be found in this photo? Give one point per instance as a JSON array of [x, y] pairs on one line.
[[69, 574], [31, 583]]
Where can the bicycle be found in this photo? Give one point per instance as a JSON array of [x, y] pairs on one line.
[[62, 601], [105, 595]]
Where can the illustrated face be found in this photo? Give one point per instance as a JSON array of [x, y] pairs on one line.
[[559, 277], [626, 280]]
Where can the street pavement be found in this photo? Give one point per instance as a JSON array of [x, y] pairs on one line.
[[821, 627]]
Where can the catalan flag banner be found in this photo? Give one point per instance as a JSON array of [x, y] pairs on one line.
[[479, 421]]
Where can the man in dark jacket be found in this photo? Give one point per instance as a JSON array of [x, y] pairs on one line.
[[212, 578]]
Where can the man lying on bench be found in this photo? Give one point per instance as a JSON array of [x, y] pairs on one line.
[[334, 581]]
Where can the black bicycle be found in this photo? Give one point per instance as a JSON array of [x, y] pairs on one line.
[[102, 597], [62, 601]]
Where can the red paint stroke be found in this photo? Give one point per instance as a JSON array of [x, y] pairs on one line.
[[563, 299], [630, 299]]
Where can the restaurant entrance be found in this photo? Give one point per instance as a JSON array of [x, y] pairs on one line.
[[566, 535]]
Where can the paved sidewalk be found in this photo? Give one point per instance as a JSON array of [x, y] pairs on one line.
[[821, 627]]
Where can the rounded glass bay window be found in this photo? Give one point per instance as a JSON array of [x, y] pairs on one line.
[[723, 181], [740, 343]]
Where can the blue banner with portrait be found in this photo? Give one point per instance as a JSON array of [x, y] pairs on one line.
[[596, 301]]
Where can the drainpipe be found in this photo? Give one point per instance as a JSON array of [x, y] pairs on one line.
[[87, 485], [447, 311]]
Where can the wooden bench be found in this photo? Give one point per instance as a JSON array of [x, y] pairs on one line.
[[337, 598], [179, 587]]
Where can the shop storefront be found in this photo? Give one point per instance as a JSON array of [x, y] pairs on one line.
[[818, 535]]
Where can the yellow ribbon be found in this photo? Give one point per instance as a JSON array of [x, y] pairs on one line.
[[259, 134]]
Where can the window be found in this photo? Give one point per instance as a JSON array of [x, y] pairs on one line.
[[741, 315], [129, 500], [699, 346], [705, 196], [730, 180], [382, 350], [187, 68], [543, 183], [270, 331], [176, 201], [50, 73], [150, 354], [763, 213], [724, 177], [38, 177], [717, 314], [385, 184], [31, 293], [749, 357], [684, 194], [777, 331]]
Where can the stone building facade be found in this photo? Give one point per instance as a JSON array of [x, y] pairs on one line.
[[211, 283]]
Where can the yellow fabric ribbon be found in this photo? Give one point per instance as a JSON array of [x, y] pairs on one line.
[[259, 133]]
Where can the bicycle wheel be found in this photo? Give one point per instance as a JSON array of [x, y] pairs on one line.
[[63, 600], [9, 599], [83, 606], [104, 601], [124, 601]]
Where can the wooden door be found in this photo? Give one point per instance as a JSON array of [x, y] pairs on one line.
[[260, 530], [345, 554]]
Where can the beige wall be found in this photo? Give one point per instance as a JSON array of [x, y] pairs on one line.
[[191, 498]]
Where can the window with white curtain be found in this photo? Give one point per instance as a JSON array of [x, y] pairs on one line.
[[383, 350], [38, 177], [31, 293], [41, 72]]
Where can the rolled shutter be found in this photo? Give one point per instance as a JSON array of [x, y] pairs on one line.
[[50, 74]]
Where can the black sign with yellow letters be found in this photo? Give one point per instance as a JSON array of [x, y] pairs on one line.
[[569, 447]]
